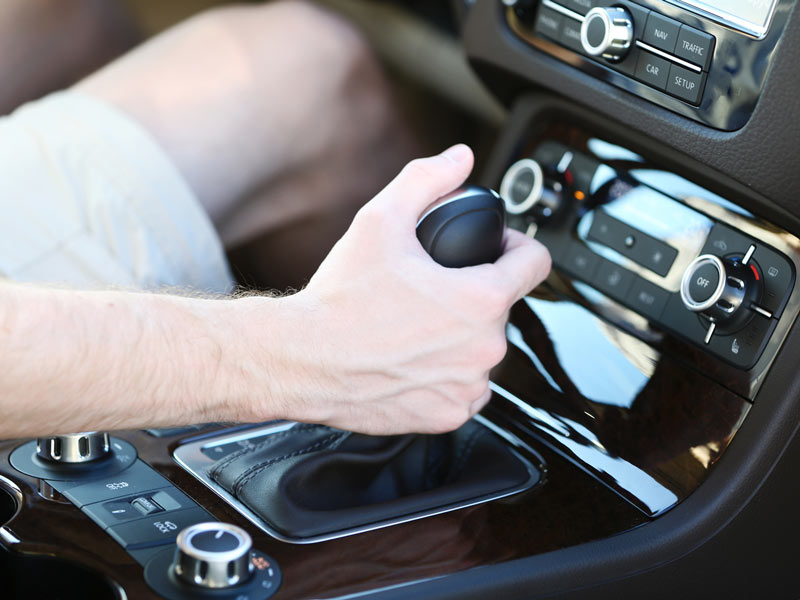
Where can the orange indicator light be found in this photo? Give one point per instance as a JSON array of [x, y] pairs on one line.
[[579, 195]]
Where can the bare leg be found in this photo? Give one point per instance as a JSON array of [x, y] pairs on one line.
[[49, 44], [276, 115]]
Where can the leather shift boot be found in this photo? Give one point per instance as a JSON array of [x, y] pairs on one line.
[[313, 480]]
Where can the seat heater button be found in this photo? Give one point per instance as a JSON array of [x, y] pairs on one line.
[[695, 46]]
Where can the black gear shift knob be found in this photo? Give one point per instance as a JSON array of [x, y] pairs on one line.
[[465, 229]]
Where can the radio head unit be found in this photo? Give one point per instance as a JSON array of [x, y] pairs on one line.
[[707, 60]]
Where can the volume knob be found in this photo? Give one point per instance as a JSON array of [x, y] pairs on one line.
[[74, 448], [607, 32], [213, 555]]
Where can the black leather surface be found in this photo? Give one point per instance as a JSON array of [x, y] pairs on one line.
[[313, 480]]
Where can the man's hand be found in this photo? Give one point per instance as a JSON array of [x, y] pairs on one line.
[[384, 340]]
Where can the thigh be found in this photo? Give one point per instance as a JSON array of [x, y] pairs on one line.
[[240, 94]]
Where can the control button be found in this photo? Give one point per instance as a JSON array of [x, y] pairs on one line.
[[652, 70], [695, 46], [110, 513], [778, 277], [607, 32], [133, 480], [146, 506], [613, 280], [685, 84], [581, 262], [724, 241], [213, 556], [647, 298], [571, 35], [548, 23], [661, 32], [743, 348], [647, 251], [579, 6], [156, 529], [704, 282]]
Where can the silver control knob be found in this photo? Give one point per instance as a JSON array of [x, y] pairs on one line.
[[607, 32], [714, 288], [213, 555], [525, 190], [74, 448]]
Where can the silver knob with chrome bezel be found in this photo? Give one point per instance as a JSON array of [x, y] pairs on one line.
[[74, 448], [716, 288], [213, 555], [607, 32]]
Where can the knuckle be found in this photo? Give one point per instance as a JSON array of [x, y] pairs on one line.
[[495, 350], [419, 169]]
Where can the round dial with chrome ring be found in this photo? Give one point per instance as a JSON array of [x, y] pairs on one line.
[[213, 555], [607, 32], [719, 289], [74, 448], [526, 190]]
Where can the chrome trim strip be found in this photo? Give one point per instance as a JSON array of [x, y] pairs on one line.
[[563, 10], [668, 56]]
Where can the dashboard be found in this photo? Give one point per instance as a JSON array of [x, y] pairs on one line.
[[641, 438]]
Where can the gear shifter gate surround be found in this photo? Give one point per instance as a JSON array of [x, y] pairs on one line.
[[312, 480]]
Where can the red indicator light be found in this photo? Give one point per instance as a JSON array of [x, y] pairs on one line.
[[755, 272]]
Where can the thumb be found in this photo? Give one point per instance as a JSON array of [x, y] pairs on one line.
[[525, 263], [423, 181]]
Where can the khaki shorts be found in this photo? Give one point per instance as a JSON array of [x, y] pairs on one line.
[[89, 199]]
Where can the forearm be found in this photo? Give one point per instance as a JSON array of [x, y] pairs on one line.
[[75, 361]]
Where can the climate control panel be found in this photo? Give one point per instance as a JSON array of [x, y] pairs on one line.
[[684, 268]]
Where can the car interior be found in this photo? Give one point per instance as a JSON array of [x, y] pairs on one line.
[[641, 440]]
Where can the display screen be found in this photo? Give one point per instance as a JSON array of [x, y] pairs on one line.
[[750, 16]]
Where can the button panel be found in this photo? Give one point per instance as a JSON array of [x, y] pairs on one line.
[[666, 54], [744, 347]]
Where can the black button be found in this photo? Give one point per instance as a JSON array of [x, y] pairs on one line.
[[661, 32], [110, 513], [579, 6], [652, 70], [146, 506], [646, 250], [723, 241], [157, 529], [133, 480], [571, 35], [215, 541], [647, 298], [580, 261], [695, 46], [743, 348], [685, 84], [548, 24], [613, 280], [704, 282], [778, 276]]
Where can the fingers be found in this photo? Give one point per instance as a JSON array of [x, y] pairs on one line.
[[525, 263], [423, 181]]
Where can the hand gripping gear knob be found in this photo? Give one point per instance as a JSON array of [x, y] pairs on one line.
[[213, 555]]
